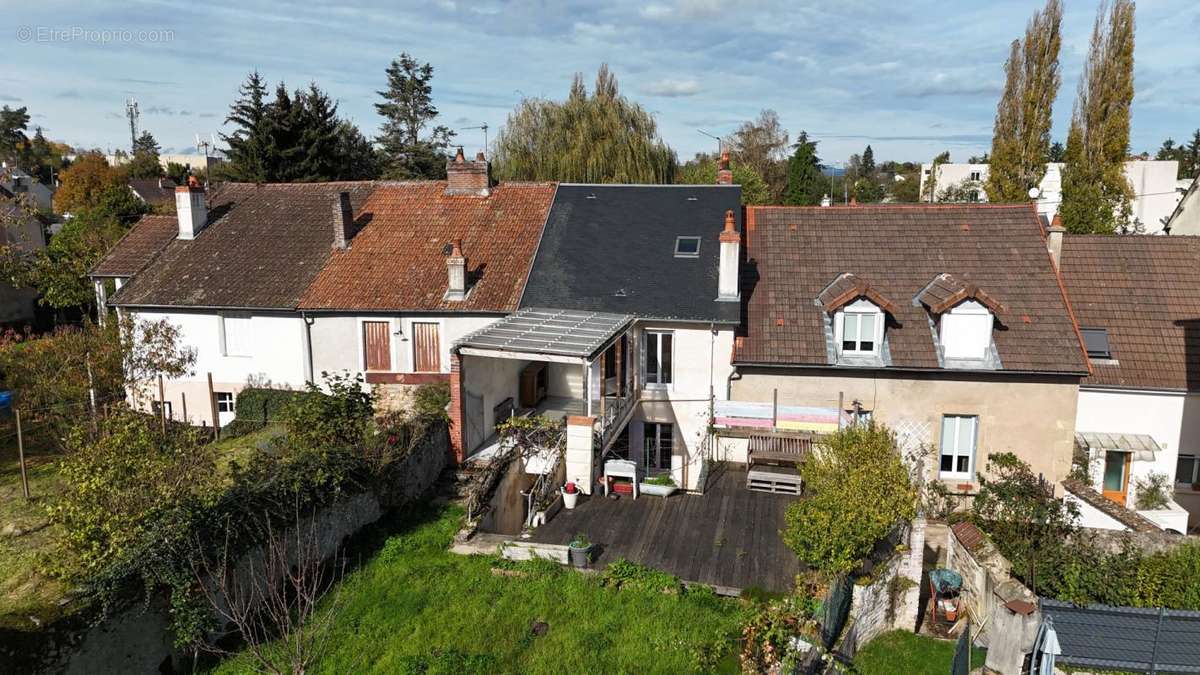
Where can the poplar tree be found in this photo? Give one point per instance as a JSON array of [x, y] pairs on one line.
[[601, 137], [1021, 140], [1096, 194]]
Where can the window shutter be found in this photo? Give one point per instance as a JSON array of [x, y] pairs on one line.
[[377, 345], [426, 348]]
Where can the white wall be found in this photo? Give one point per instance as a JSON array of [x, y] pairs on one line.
[[1153, 180], [1169, 417], [338, 343], [277, 355]]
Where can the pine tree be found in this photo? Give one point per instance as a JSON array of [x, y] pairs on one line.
[[13, 123], [1057, 152], [1096, 194], [867, 162], [248, 143], [805, 184], [145, 162], [1021, 138], [407, 109], [1189, 164], [318, 132]]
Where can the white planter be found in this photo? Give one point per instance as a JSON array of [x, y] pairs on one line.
[[659, 490], [569, 499]]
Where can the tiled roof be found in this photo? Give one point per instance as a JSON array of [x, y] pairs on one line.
[[849, 287], [1145, 291], [1127, 517], [793, 253], [137, 248], [397, 261], [946, 291], [154, 190], [263, 245]]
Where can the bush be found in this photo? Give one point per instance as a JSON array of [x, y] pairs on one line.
[[432, 400], [1153, 491], [337, 419], [257, 407], [860, 490]]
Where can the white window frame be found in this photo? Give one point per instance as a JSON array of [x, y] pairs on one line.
[[856, 311], [654, 442], [223, 334], [684, 254], [228, 405], [955, 451], [961, 318], [659, 384], [976, 176], [1195, 459]]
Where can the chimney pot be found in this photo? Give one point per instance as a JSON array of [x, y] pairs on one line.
[[1054, 240], [456, 272], [343, 220], [724, 174], [190, 210]]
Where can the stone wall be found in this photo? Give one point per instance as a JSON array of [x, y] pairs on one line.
[[138, 639], [1003, 611], [893, 597]]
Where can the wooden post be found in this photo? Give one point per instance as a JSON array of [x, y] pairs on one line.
[[620, 372], [162, 406], [841, 404], [603, 378], [183, 399], [21, 456], [212, 406], [91, 386], [774, 409]]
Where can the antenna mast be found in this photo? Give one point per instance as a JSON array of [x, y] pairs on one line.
[[483, 126], [131, 111]]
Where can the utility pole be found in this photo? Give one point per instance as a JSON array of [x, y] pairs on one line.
[[131, 111]]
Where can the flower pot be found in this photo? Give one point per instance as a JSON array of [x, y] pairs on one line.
[[579, 555], [659, 490], [570, 499]]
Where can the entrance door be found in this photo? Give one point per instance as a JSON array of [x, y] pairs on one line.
[[659, 444], [1116, 476]]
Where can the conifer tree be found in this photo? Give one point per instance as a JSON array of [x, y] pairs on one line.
[[1096, 194], [247, 151], [805, 184], [407, 109]]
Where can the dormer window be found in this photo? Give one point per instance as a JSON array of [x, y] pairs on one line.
[[966, 331], [860, 328]]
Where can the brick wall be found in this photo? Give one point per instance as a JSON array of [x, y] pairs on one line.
[[457, 433]]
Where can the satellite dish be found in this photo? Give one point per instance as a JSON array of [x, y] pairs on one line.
[[1035, 192]]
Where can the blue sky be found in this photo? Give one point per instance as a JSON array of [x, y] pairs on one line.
[[910, 78]]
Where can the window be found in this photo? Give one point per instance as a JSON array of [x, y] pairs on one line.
[[658, 357], [973, 196], [860, 328], [158, 409], [1187, 470], [976, 176], [687, 247], [225, 402], [237, 335], [377, 345], [427, 350], [959, 437], [859, 417], [966, 331], [659, 444], [1096, 342]]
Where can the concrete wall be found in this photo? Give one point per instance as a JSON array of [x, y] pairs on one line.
[[494, 380], [893, 598], [1032, 418], [1170, 418], [277, 356], [337, 340], [1154, 180], [1187, 221]]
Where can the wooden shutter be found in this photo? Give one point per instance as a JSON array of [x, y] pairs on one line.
[[377, 345], [426, 348]]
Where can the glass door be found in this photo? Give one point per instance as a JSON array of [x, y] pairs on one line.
[[658, 447], [1116, 476]]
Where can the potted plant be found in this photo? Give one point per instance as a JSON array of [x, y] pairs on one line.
[[580, 550], [662, 486], [570, 493]]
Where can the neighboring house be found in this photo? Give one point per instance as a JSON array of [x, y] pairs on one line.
[[194, 162], [278, 283], [1137, 300], [25, 233], [157, 192], [945, 322], [1153, 183], [19, 182], [626, 327], [1186, 217]]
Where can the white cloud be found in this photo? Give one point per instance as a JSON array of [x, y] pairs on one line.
[[785, 57], [656, 11], [595, 30], [672, 88], [448, 5], [684, 9], [869, 68]]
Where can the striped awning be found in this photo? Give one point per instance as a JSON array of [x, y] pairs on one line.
[[1142, 446]]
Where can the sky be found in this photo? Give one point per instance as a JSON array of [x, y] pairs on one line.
[[910, 78]]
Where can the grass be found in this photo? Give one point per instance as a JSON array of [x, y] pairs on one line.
[[903, 653], [417, 608]]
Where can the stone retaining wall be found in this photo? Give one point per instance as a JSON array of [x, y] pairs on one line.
[[892, 600]]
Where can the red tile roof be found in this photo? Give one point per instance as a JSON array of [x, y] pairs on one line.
[[793, 253], [397, 261], [146, 239], [1145, 291]]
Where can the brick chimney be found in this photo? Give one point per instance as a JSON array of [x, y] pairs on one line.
[[724, 173], [1054, 239], [468, 177], [456, 272], [191, 210], [343, 220], [727, 276]]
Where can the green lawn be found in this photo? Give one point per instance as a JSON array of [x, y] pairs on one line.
[[903, 653], [417, 608]]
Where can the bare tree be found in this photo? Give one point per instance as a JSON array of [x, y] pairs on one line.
[[272, 594]]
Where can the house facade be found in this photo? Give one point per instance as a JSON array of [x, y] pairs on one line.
[[1137, 300], [946, 323], [1153, 183], [1186, 217]]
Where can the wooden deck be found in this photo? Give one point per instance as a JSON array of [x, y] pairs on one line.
[[727, 537]]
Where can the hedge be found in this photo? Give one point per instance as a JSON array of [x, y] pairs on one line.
[[256, 407]]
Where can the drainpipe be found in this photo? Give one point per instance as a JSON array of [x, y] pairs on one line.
[[308, 352]]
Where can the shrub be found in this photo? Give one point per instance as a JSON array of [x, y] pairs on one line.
[[337, 419], [432, 400], [1153, 491], [860, 491], [257, 407]]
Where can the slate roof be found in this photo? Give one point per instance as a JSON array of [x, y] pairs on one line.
[[263, 245], [1145, 291], [611, 248], [792, 254], [145, 240], [397, 261]]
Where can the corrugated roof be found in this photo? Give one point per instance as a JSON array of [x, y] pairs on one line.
[[1097, 440], [549, 331], [1125, 638]]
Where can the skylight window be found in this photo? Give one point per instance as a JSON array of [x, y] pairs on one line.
[[1095, 340], [687, 247]]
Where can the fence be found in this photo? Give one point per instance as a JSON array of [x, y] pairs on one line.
[[1125, 638]]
